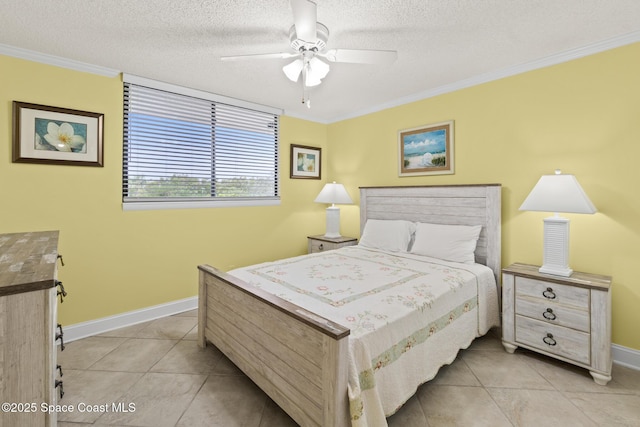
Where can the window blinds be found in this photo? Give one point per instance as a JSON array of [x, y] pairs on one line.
[[184, 148]]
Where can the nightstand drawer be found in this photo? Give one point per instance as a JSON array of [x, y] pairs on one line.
[[553, 313], [318, 246], [565, 342], [547, 292], [322, 243]]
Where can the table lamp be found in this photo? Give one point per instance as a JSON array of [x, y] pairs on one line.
[[333, 193], [557, 193]]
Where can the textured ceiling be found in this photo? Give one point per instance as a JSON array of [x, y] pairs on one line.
[[439, 42]]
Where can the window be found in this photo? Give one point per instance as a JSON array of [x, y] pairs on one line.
[[189, 149]]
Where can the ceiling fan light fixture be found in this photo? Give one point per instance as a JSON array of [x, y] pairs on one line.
[[314, 71], [308, 39], [292, 70], [310, 78], [319, 68]]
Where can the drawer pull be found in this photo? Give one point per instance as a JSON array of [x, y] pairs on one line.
[[59, 368], [60, 336], [61, 293], [548, 340], [321, 247], [549, 314], [549, 294], [59, 384], [61, 260]]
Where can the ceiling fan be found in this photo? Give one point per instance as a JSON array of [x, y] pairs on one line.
[[308, 39]]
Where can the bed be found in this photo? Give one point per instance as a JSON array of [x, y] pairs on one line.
[[316, 361]]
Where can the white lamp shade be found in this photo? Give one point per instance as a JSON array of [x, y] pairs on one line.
[[310, 79], [293, 70], [319, 68], [333, 193], [314, 71], [558, 193]]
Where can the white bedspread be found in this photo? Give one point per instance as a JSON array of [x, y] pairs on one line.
[[408, 315]]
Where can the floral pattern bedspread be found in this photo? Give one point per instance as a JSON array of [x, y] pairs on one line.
[[408, 315]]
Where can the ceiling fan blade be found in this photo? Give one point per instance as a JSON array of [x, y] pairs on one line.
[[360, 56], [305, 16], [280, 55]]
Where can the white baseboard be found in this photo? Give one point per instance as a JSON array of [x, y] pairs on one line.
[[623, 356], [106, 324]]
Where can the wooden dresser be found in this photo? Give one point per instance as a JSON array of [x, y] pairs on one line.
[[568, 318], [28, 328]]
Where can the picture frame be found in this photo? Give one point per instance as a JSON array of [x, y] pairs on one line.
[[306, 162], [57, 136], [426, 150]]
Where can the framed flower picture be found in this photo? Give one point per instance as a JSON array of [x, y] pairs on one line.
[[53, 135], [305, 162]]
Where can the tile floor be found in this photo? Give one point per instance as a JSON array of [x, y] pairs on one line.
[[159, 369]]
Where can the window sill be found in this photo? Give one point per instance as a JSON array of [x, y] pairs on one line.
[[196, 204]]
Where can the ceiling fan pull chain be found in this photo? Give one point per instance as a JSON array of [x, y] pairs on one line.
[[305, 98]]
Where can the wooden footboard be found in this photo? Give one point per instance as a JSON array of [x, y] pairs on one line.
[[297, 358]]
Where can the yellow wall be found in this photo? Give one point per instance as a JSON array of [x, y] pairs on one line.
[[581, 116], [121, 261]]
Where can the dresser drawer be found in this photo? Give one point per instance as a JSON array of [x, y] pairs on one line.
[[565, 342], [553, 313], [547, 292]]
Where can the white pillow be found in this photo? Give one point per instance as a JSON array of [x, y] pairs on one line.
[[388, 235], [448, 242]]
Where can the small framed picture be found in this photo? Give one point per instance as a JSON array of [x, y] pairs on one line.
[[426, 150], [305, 162], [53, 135]]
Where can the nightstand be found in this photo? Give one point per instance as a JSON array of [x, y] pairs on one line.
[[321, 243], [568, 318]]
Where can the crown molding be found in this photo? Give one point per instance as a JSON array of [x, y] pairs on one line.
[[58, 61], [547, 61], [555, 59]]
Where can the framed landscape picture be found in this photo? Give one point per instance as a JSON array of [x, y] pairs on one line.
[[305, 162], [53, 135], [426, 150]]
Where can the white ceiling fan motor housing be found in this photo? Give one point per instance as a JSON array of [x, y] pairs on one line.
[[322, 35]]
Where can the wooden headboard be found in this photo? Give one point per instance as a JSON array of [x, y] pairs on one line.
[[442, 204]]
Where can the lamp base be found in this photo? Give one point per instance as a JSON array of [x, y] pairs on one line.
[[554, 270], [556, 247], [333, 222]]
